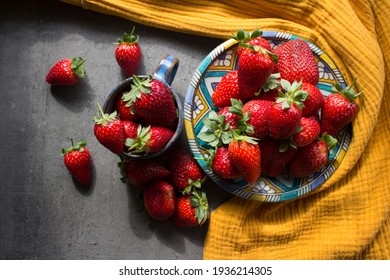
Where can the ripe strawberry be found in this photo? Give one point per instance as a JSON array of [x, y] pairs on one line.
[[226, 89], [314, 101], [185, 171], [245, 155], [143, 172], [66, 72], [77, 160], [270, 90], [296, 62], [286, 112], [275, 156], [149, 139], [259, 114], [159, 200], [153, 101], [222, 164], [255, 65], [124, 110], [339, 109], [109, 131], [131, 129], [311, 158], [230, 118], [191, 210], [128, 53], [251, 38], [308, 130]]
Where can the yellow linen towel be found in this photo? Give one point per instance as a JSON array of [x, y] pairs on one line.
[[349, 216]]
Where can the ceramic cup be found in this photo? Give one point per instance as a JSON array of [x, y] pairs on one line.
[[165, 72]]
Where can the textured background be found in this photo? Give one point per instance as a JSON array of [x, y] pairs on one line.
[[43, 214]]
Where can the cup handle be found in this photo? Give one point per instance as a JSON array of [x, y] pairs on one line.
[[166, 70]]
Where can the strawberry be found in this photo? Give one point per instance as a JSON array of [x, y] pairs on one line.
[[218, 130], [314, 101], [222, 164], [275, 156], [66, 72], [270, 90], [251, 38], [296, 62], [339, 109], [286, 112], [191, 210], [153, 101], [159, 200], [230, 118], [131, 129], [259, 114], [308, 130], [128, 53], [109, 131], [311, 158], [226, 89], [124, 110], [244, 153], [185, 172], [149, 139], [255, 65], [142, 172], [77, 160]]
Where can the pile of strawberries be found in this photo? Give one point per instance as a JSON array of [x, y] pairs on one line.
[[271, 116], [144, 121]]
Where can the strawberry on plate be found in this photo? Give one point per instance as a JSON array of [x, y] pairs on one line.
[[159, 200], [226, 89], [128, 53], [308, 130], [66, 72], [109, 131], [222, 164], [77, 160]]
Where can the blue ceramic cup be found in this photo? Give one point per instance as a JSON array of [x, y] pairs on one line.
[[165, 72]]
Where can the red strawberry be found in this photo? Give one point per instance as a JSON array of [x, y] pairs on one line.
[[128, 53], [275, 156], [311, 158], [159, 200], [185, 171], [255, 65], [222, 164], [66, 72], [109, 131], [245, 155], [230, 118], [270, 90], [77, 160], [286, 112], [191, 210], [153, 101], [131, 129], [296, 62], [143, 172], [339, 109], [308, 130], [226, 89], [259, 114], [251, 38], [314, 101], [149, 139], [124, 110]]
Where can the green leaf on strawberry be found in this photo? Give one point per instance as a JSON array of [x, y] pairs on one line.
[[218, 130], [198, 200]]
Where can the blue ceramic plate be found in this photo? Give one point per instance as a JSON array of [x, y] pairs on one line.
[[198, 104]]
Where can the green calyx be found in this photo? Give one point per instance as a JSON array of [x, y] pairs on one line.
[[139, 87], [292, 94], [139, 144], [198, 200], [239, 136], [244, 36], [272, 82], [329, 140], [218, 130], [242, 124], [78, 67], [102, 118], [348, 92], [193, 185], [128, 38], [78, 147]]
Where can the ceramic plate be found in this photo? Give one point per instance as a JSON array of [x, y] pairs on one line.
[[198, 104]]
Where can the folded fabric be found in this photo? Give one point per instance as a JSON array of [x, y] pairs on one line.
[[348, 216]]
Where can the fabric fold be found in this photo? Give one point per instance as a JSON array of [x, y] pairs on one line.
[[348, 216]]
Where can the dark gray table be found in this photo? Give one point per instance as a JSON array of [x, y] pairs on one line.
[[43, 215]]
